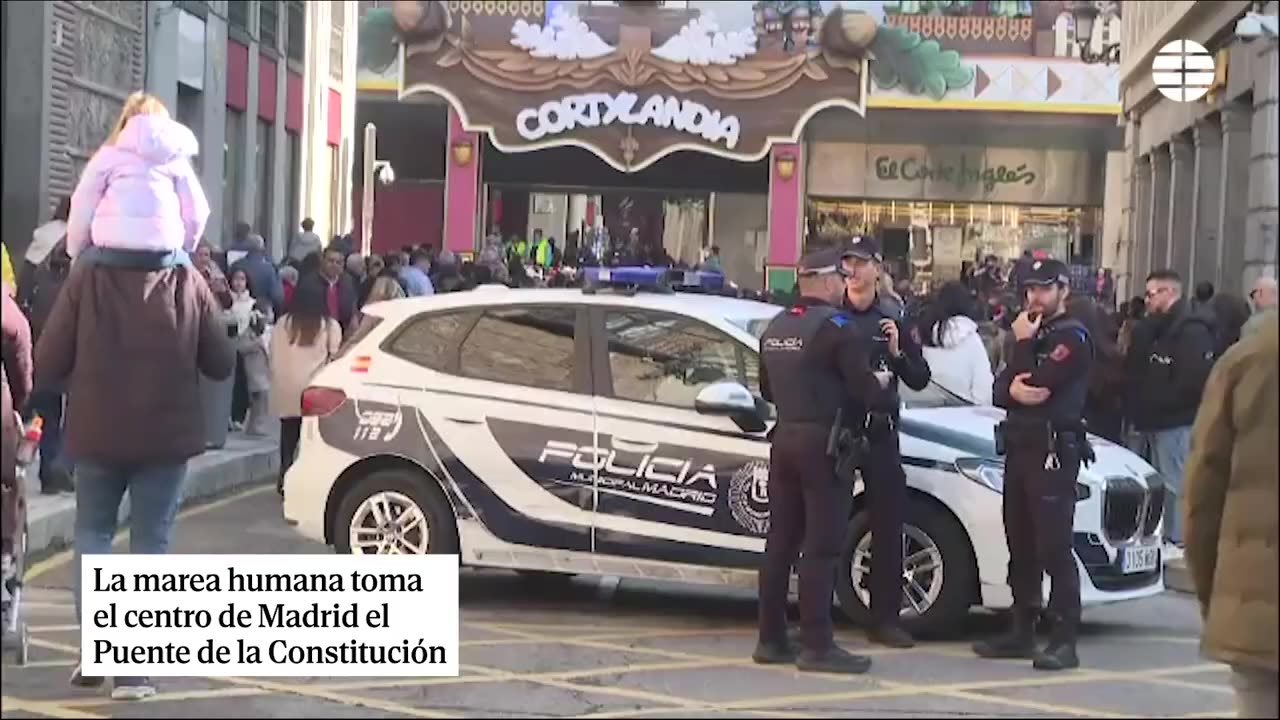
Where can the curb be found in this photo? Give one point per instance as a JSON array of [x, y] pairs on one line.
[[1177, 578], [242, 462]]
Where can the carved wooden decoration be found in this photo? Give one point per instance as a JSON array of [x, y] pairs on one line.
[[633, 83]]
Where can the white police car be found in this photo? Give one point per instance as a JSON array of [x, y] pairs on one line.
[[559, 431]]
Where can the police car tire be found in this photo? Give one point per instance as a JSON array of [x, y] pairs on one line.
[[425, 493], [959, 574]]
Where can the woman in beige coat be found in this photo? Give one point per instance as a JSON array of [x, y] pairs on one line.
[[304, 341]]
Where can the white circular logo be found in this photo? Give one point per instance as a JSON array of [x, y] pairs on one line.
[[1183, 71], [749, 496]]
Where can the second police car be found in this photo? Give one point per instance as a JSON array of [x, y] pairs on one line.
[[559, 431]]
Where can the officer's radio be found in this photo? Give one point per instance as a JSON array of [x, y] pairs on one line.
[[1001, 442]]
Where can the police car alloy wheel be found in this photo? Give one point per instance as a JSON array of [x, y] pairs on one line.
[[395, 512], [940, 573]]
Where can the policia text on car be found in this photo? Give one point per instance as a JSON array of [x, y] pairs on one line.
[[814, 370], [895, 354], [1043, 389]]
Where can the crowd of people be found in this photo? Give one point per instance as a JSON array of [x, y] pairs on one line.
[[110, 334], [1153, 355]]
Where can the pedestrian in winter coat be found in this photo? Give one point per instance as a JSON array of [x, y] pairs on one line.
[[1166, 369], [15, 387], [250, 319], [42, 284], [304, 341], [48, 235], [129, 337], [1230, 517], [953, 346], [204, 261], [305, 242], [139, 191], [264, 279]]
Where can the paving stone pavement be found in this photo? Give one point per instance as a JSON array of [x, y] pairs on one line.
[[588, 648]]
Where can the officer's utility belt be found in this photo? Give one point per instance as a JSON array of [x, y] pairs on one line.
[[846, 447], [1042, 435]]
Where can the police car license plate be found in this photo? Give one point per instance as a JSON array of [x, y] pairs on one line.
[[1139, 559]]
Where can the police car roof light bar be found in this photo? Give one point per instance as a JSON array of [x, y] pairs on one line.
[[633, 279]]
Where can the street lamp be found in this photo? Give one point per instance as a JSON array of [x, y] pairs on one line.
[[374, 171], [1084, 14]]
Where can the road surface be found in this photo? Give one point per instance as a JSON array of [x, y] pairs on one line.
[[600, 648]]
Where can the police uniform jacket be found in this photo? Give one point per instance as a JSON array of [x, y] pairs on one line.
[[1058, 358], [812, 366]]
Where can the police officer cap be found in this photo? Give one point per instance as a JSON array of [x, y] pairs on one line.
[[1048, 272], [864, 247], [822, 262]]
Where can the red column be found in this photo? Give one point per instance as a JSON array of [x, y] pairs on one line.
[[786, 214], [462, 209]]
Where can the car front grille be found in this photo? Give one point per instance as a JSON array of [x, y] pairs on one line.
[[1123, 506], [1155, 504]]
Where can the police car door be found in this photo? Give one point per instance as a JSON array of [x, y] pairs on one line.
[[673, 484], [510, 387]]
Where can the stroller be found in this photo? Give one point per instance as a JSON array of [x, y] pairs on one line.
[[13, 558]]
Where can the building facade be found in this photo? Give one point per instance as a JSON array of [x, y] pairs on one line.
[[1027, 130], [267, 86], [1201, 175]]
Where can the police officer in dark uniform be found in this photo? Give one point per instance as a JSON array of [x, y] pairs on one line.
[[1043, 388], [895, 354], [812, 369]]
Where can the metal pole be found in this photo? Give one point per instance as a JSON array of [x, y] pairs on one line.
[[366, 213]]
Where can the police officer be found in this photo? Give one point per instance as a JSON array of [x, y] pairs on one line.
[[878, 322], [812, 368], [1043, 388]]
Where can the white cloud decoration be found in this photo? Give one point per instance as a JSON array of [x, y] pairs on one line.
[[564, 37], [701, 42]]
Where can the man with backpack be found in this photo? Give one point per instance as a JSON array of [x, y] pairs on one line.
[[1173, 350]]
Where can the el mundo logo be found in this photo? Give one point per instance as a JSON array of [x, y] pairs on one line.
[[1183, 71]]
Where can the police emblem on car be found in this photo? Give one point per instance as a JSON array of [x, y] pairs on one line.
[[749, 496]]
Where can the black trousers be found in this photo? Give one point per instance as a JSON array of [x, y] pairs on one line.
[[1039, 512], [240, 392], [808, 511], [886, 486], [290, 433]]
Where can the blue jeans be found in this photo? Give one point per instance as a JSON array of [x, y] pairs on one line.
[[154, 494], [1168, 450]]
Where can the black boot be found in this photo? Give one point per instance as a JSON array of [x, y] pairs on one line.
[[891, 635], [836, 660], [773, 653], [1060, 654], [1018, 642]]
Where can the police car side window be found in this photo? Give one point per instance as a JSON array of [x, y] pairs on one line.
[[431, 340], [667, 359], [531, 346]]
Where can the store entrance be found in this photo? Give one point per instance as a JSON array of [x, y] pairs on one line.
[[635, 226]]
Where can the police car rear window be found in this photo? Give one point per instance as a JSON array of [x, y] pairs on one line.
[[432, 340], [367, 325]]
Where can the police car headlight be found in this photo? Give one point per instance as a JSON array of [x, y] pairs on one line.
[[984, 472]]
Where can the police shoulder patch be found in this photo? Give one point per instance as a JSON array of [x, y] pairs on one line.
[[839, 319], [1060, 352]]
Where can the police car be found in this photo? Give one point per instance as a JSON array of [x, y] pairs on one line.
[[560, 432]]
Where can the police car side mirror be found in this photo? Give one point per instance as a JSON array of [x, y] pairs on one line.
[[732, 400]]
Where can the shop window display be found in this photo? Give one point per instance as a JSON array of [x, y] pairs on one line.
[[938, 241]]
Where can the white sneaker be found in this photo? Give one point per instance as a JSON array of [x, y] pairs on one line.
[[1171, 552]]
